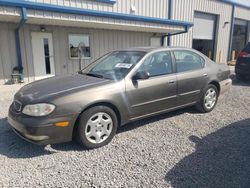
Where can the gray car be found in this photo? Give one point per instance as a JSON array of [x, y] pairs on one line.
[[118, 88]]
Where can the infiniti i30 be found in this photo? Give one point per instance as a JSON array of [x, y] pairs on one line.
[[120, 87]]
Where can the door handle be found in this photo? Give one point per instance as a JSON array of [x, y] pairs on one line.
[[171, 81], [205, 75]]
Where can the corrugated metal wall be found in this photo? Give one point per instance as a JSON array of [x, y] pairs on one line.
[[8, 58], [102, 41], [52, 18], [152, 8], [242, 13], [184, 10], [9, 11], [149, 8]]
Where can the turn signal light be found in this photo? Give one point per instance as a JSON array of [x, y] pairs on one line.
[[62, 124]]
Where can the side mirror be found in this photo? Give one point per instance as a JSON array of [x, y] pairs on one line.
[[142, 75]]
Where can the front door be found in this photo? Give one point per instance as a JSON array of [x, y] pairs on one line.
[[43, 59], [158, 92]]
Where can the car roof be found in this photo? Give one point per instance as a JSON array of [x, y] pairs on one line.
[[155, 49], [149, 49]]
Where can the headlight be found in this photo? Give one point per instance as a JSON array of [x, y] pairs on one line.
[[42, 109]]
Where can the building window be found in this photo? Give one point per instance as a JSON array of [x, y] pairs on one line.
[[47, 55], [79, 46], [155, 41]]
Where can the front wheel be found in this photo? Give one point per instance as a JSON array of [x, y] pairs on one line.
[[96, 127], [209, 99]]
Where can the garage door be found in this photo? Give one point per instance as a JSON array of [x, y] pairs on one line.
[[204, 25]]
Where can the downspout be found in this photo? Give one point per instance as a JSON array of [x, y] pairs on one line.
[[181, 32], [231, 35], [172, 34], [24, 18], [169, 17]]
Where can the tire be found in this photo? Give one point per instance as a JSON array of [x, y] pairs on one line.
[[203, 105], [96, 127]]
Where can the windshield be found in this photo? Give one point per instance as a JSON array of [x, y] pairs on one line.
[[115, 65]]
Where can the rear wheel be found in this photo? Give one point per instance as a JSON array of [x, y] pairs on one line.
[[96, 127], [209, 99]]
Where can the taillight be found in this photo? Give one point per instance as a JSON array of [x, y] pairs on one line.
[[244, 54]]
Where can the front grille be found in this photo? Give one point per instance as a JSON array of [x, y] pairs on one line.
[[17, 106]]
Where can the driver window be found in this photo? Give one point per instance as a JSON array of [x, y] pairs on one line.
[[157, 64]]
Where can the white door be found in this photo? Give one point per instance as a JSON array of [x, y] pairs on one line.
[[204, 26], [43, 59]]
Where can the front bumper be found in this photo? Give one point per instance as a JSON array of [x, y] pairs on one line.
[[41, 130], [225, 85]]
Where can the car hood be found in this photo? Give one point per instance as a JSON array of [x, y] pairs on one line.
[[56, 87]]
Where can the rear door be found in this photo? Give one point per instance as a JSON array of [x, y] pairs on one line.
[[158, 92], [192, 77]]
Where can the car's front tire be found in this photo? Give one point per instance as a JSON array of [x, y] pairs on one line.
[[209, 99], [96, 127]]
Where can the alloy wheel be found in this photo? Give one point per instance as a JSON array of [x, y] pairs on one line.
[[210, 98]]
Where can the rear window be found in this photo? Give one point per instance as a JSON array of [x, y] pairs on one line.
[[188, 61], [247, 48]]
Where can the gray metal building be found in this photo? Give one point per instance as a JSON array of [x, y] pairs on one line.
[[216, 30], [43, 38]]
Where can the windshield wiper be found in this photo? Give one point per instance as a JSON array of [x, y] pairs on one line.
[[94, 75]]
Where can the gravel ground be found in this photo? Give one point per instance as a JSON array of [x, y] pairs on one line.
[[179, 149]]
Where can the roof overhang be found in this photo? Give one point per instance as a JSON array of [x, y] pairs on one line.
[[42, 13]]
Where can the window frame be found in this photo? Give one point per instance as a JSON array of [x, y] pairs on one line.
[[90, 48], [152, 53], [202, 60]]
